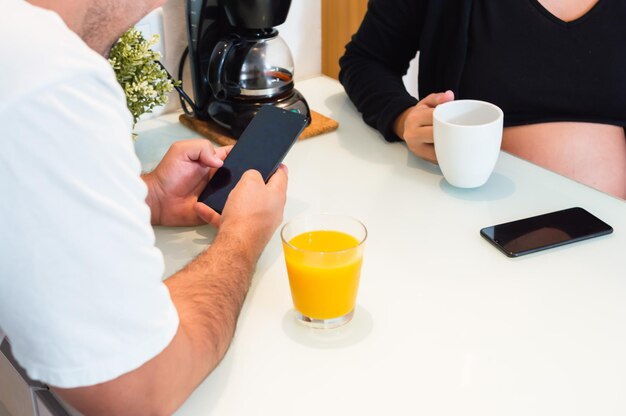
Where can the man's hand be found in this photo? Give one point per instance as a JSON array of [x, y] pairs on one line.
[[174, 186], [415, 125], [254, 209]]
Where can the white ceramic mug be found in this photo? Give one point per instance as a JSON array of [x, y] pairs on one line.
[[467, 134]]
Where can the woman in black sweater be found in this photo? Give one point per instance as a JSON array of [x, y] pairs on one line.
[[557, 68]]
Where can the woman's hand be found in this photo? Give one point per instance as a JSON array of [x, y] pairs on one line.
[[174, 185], [415, 125]]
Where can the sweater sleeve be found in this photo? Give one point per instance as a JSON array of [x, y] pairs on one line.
[[376, 59]]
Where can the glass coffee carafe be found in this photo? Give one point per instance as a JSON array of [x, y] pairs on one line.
[[249, 69], [253, 66]]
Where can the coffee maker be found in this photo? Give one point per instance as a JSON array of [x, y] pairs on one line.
[[238, 61]]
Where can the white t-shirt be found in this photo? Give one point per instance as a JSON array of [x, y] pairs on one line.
[[81, 296]]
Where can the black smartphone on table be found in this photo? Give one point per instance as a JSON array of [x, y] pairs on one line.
[[541, 232], [262, 146]]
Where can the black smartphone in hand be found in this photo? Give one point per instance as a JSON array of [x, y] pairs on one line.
[[262, 146], [541, 232]]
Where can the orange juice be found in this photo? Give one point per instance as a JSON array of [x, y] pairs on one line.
[[324, 269]]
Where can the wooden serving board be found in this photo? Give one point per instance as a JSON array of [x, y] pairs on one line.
[[320, 124]]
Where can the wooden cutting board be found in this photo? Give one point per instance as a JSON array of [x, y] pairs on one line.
[[320, 124]]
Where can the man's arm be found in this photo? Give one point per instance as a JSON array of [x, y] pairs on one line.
[[208, 295]]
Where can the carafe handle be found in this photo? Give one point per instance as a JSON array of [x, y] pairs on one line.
[[216, 68]]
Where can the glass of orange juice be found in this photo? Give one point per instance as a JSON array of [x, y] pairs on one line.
[[324, 253]]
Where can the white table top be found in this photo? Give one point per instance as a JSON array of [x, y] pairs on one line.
[[445, 323]]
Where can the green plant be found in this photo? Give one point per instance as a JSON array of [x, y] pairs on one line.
[[145, 83]]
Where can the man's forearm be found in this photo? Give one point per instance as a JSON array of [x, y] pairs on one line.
[[208, 295], [209, 292]]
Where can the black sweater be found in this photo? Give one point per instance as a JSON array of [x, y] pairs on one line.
[[559, 71], [380, 52]]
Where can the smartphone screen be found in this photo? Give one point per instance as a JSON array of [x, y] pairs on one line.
[[262, 146], [554, 229]]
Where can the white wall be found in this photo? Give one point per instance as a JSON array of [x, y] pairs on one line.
[[303, 33]]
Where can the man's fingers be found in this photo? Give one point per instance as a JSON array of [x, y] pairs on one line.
[[223, 151], [279, 179], [208, 155], [197, 150], [252, 175], [207, 214]]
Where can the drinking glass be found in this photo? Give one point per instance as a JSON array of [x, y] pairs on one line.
[[323, 254]]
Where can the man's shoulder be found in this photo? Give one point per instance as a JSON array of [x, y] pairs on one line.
[[39, 49]]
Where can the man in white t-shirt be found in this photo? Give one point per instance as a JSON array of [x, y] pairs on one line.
[[81, 296]]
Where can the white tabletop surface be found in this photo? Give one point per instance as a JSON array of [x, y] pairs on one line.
[[445, 323]]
